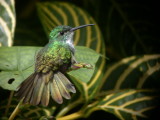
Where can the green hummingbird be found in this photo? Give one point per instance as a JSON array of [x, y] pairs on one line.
[[52, 62]]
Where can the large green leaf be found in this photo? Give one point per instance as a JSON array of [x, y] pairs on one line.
[[85, 55], [17, 63], [53, 14], [133, 72], [127, 104], [7, 22]]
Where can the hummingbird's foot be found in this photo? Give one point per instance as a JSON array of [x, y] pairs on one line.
[[85, 65], [81, 65]]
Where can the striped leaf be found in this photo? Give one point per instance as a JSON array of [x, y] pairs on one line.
[[53, 14], [27, 112], [127, 105], [7, 22], [133, 72]]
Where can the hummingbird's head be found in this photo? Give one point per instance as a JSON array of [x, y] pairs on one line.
[[61, 33], [64, 33]]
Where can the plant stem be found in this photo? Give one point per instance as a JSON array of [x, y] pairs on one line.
[[9, 102], [68, 108], [71, 116], [16, 111]]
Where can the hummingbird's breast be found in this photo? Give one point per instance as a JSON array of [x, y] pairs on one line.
[[56, 58]]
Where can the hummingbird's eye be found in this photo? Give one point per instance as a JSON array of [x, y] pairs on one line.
[[61, 33]]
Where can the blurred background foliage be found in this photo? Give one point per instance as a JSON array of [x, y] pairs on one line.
[[130, 38], [128, 27]]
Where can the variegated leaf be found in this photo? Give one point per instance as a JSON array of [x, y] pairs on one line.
[[127, 104], [7, 22], [27, 111], [133, 72]]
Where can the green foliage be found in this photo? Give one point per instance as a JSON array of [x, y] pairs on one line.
[[7, 22], [62, 13], [33, 112], [53, 14], [17, 63], [127, 88], [133, 72], [129, 27], [127, 104]]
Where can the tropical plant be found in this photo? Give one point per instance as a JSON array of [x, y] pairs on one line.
[[126, 85]]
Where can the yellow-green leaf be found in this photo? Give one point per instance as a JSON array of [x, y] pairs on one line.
[[27, 111], [7, 22], [133, 72], [127, 104]]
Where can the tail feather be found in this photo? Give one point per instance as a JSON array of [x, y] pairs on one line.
[[39, 95], [62, 88], [38, 87], [45, 95], [25, 86], [46, 92], [28, 96], [37, 91], [55, 92], [48, 76], [66, 82]]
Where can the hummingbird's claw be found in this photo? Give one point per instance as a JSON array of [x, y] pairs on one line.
[[88, 66], [81, 65]]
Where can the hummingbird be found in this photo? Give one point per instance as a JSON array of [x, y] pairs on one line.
[[51, 64]]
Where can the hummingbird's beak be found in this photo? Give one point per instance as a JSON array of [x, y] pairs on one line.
[[76, 28]]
